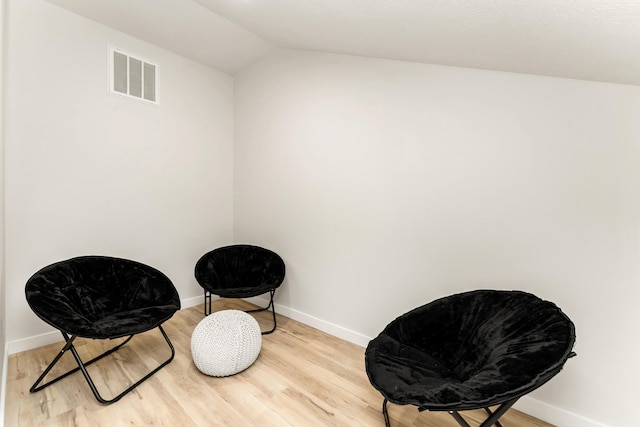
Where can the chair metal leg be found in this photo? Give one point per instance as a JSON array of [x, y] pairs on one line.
[[491, 420], [68, 346], [385, 413], [82, 366], [488, 411], [207, 298], [493, 416], [459, 419], [207, 309], [273, 311]]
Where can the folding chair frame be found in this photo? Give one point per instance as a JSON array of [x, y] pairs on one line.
[[272, 292], [82, 366], [492, 418]]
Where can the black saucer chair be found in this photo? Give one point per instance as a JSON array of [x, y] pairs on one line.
[[474, 350], [240, 271], [101, 298]]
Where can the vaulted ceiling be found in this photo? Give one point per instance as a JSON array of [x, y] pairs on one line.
[[583, 39]]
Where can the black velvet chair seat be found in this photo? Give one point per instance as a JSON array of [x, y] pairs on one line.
[[470, 351], [240, 271], [101, 298]]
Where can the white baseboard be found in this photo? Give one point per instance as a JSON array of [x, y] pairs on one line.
[[54, 336], [554, 415], [35, 341], [328, 327], [190, 302]]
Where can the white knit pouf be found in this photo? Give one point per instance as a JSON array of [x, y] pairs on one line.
[[225, 343]]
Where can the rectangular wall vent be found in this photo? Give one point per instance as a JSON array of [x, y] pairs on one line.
[[132, 76]]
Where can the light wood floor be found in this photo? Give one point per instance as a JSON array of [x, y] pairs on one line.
[[302, 377]]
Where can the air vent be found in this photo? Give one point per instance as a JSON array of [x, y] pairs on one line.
[[132, 76]]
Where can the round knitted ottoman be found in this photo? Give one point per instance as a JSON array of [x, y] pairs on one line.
[[225, 343]]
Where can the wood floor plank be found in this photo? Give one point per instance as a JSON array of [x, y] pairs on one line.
[[302, 377]]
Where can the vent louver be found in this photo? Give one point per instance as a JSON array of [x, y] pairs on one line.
[[132, 76]]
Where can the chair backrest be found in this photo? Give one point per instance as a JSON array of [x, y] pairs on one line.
[[78, 293], [466, 329], [240, 266], [493, 344]]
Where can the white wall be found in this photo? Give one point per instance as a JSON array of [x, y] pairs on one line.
[[385, 185], [92, 173], [3, 340]]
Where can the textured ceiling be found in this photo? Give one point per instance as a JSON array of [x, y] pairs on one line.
[[584, 39], [181, 26]]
